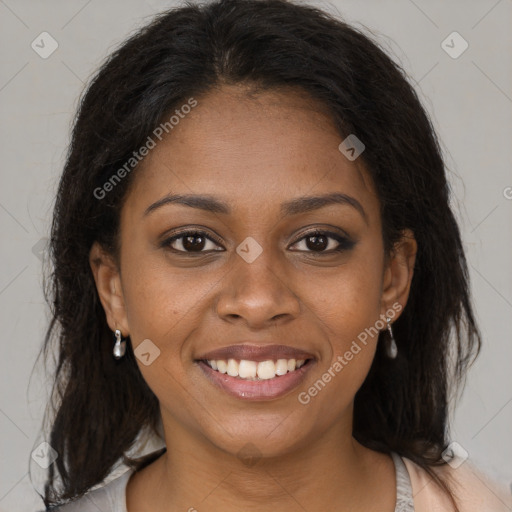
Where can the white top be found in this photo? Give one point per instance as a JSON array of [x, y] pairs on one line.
[[112, 497]]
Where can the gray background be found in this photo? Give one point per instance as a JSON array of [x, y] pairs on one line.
[[469, 98]]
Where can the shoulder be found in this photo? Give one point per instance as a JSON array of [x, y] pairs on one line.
[[472, 489], [109, 498]]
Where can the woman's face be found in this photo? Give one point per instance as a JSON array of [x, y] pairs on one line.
[[255, 278]]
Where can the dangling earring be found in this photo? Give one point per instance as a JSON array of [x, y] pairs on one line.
[[120, 346], [391, 348]]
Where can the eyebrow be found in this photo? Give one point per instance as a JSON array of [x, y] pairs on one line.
[[293, 207]]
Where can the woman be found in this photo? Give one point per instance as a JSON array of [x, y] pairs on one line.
[[255, 262]]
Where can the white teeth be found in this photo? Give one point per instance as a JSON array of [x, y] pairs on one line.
[[247, 369], [232, 368], [266, 370], [222, 366], [252, 370], [281, 367]]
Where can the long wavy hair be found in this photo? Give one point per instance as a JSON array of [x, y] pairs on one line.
[[98, 405]]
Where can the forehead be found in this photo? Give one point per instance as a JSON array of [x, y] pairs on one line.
[[245, 148]]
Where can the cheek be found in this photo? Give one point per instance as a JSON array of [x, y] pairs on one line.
[[162, 302], [349, 301], [347, 307], [165, 305]]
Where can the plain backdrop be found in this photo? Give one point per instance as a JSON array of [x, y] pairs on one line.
[[468, 97]]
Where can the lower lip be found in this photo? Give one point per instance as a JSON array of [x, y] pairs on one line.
[[266, 389]]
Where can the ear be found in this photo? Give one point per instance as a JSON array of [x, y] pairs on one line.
[[398, 273], [108, 283]]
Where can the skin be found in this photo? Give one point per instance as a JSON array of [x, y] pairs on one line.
[[254, 152]]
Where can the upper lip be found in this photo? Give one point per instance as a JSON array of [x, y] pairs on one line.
[[252, 352]]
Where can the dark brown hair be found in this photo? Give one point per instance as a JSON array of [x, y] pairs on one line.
[[100, 405]]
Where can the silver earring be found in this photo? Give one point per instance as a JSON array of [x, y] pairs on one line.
[[391, 348], [120, 346]]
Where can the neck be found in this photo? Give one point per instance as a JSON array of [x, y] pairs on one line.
[[333, 472]]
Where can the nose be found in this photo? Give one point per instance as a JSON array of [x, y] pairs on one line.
[[258, 293]]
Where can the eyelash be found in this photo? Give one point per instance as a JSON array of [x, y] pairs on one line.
[[344, 243]]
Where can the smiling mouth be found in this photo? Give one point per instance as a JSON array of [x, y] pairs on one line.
[[244, 369]]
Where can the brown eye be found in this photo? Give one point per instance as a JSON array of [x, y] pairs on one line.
[[324, 242], [191, 242]]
